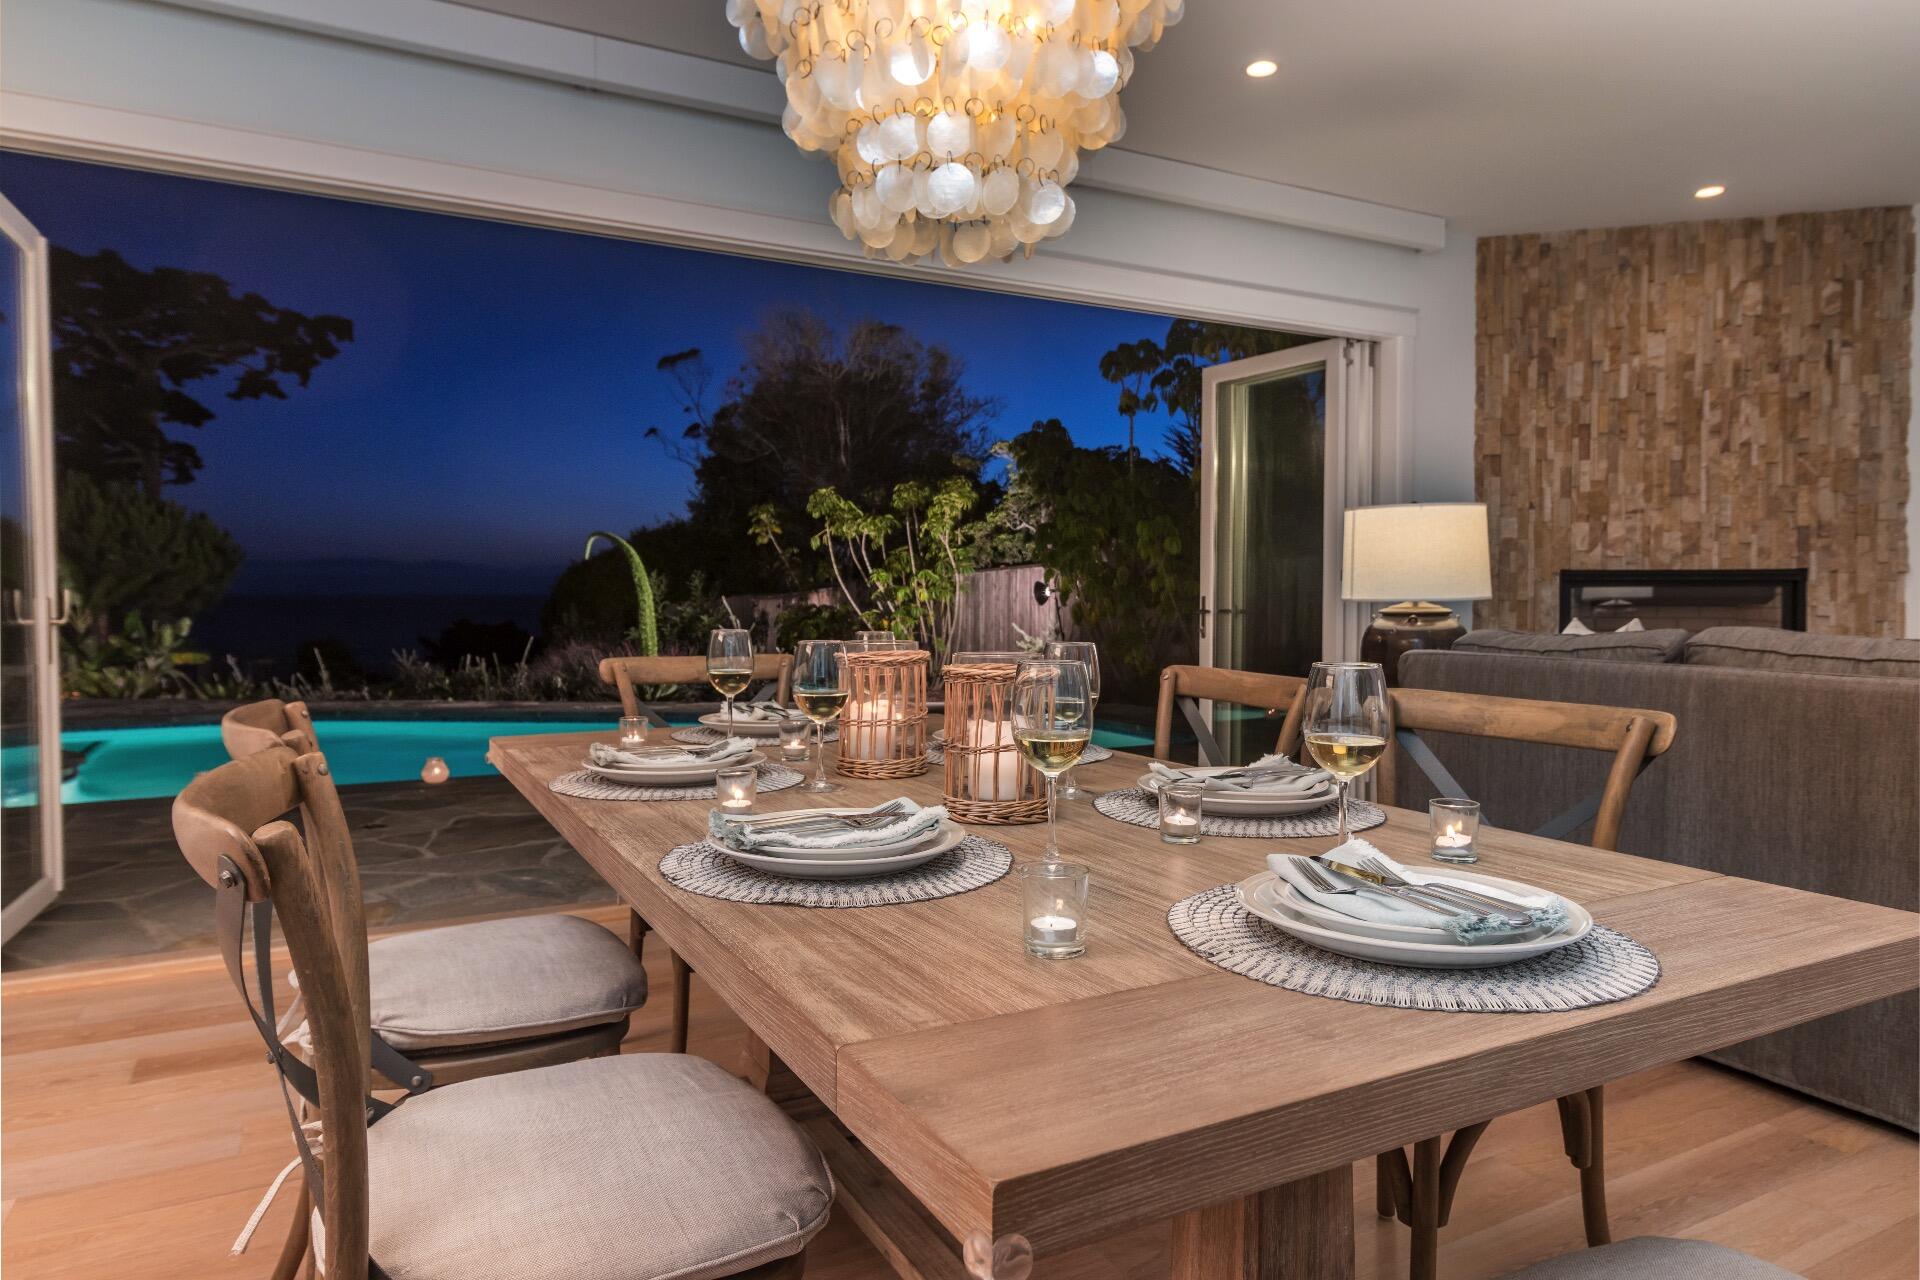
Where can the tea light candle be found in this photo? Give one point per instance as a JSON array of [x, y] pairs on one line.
[[633, 731], [1054, 898], [1180, 809], [434, 771], [735, 789], [1053, 931], [1453, 822], [793, 738]]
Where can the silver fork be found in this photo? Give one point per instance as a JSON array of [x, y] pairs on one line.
[[1509, 912], [1323, 881]]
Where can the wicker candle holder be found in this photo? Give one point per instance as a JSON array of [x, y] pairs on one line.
[[986, 780], [883, 731]]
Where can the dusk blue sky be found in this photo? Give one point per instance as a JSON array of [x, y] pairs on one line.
[[492, 403]]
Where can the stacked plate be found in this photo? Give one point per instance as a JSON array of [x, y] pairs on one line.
[[670, 771], [1280, 904], [1246, 804], [742, 727], [877, 857]]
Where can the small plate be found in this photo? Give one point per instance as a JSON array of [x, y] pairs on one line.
[[1257, 895], [902, 845], [742, 728], [948, 836], [670, 775], [1251, 804]]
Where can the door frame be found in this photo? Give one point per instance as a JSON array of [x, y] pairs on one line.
[[42, 590], [1352, 459]]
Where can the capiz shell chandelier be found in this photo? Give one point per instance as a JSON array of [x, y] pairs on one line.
[[956, 125]]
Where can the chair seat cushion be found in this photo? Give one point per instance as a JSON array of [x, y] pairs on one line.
[[646, 1166], [499, 981], [1654, 1258]]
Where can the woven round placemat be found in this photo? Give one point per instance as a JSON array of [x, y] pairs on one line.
[[588, 786], [700, 736], [1141, 807], [1602, 967], [703, 869], [936, 753]]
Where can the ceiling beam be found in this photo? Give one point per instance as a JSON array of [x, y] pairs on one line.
[[453, 32]]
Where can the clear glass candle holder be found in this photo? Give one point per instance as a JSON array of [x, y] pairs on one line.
[[735, 788], [1180, 811], [633, 731], [1053, 915], [793, 738], [1456, 825]]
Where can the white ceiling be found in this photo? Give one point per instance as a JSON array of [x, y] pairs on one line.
[[1501, 115]]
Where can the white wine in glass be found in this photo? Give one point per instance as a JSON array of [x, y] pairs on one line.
[[729, 665], [1083, 651], [820, 691], [1346, 723], [1050, 726]]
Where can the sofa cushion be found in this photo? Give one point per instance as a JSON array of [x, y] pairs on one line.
[[1770, 649], [1607, 646], [1654, 1258]]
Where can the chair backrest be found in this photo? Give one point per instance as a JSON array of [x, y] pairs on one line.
[[255, 726], [1635, 737], [625, 673], [1187, 685], [231, 821]]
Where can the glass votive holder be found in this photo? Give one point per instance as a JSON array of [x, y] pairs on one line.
[[1053, 901], [1180, 811], [1455, 823], [633, 731], [735, 788], [793, 738]]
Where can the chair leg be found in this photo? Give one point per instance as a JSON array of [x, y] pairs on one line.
[[1382, 1187], [1423, 1254], [1583, 1133], [682, 1000], [293, 1253], [636, 933]]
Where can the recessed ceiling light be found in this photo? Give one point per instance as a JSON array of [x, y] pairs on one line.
[[1262, 69], [1709, 191]]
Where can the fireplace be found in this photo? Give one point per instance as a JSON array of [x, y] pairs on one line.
[[1692, 599]]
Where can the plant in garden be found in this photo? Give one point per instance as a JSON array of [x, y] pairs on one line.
[[123, 552], [139, 660], [646, 628]]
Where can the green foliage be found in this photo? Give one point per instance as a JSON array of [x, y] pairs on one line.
[[816, 622], [1166, 375], [130, 346], [122, 551], [140, 660], [647, 627], [1120, 537]]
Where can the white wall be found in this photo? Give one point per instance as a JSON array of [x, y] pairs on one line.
[[182, 65]]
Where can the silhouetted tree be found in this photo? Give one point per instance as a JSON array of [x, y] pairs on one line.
[[1166, 375], [131, 348]]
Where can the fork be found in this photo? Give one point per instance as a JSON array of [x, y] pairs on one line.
[[1510, 912], [1325, 883]]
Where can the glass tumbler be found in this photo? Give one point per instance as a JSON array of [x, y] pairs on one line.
[[793, 739], [633, 732], [1455, 823], [1180, 811], [735, 788], [1053, 900]]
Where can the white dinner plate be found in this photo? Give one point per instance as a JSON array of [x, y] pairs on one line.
[[947, 836], [1321, 914], [742, 727], [669, 775], [888, 849], [1259, 895], [1252, 804]]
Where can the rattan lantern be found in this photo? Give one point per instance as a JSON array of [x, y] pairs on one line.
[[883, 731], [986, 780]]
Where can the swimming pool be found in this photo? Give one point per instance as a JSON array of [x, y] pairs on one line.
[[157, 760]]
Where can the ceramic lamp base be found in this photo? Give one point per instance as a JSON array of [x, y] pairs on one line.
[[1409, 625]]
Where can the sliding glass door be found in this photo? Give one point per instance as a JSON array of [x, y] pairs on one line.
[[30, 849]]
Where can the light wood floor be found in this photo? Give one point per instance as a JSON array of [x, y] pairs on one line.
[[141, 1123]]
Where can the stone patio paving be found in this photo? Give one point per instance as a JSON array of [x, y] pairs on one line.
[[467, 847]]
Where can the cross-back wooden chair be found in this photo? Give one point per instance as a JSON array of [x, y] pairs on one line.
[[1184, 687], [1420, 1193], [384, 1179], [627, 673]]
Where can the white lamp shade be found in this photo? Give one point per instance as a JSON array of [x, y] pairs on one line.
[[1422, 551]]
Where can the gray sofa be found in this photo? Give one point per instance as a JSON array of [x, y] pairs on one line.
[[1797, 761]]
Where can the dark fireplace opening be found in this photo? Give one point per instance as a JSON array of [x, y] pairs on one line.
[[1692, 599]]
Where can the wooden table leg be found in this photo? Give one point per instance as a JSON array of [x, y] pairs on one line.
[[1301, 1231]]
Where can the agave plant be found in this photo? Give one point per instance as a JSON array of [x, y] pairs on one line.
[[647, 631]]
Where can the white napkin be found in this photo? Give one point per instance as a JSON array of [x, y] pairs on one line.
[[613, 758], [746, 836], [1546, 910], [1297, 785], [760, 712]]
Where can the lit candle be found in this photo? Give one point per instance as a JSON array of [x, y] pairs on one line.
[[1453, 837], [1053, 931], [434, 771], [633, 732], [1180, 826], [1002, 780], [735, 788]]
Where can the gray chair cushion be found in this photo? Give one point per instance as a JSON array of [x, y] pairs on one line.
[[499, 981], [646, 1166], [1770, 649], [1608, 646], [1654, 1258]]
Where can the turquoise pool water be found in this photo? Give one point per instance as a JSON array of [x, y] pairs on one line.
[[158, 760]]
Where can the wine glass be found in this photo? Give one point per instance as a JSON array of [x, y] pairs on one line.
[[876, 640], [1083, 651], [1346, 722], [730, 665], [1050, 725], [820, 691]]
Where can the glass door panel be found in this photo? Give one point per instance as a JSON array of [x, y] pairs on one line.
[[30, 863]]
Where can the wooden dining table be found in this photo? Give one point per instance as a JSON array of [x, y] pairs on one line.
[[959, 1085]]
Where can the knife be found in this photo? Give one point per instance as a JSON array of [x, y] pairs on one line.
[[1417, 893]]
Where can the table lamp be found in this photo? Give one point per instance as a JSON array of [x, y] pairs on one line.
[[1415, 554]]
